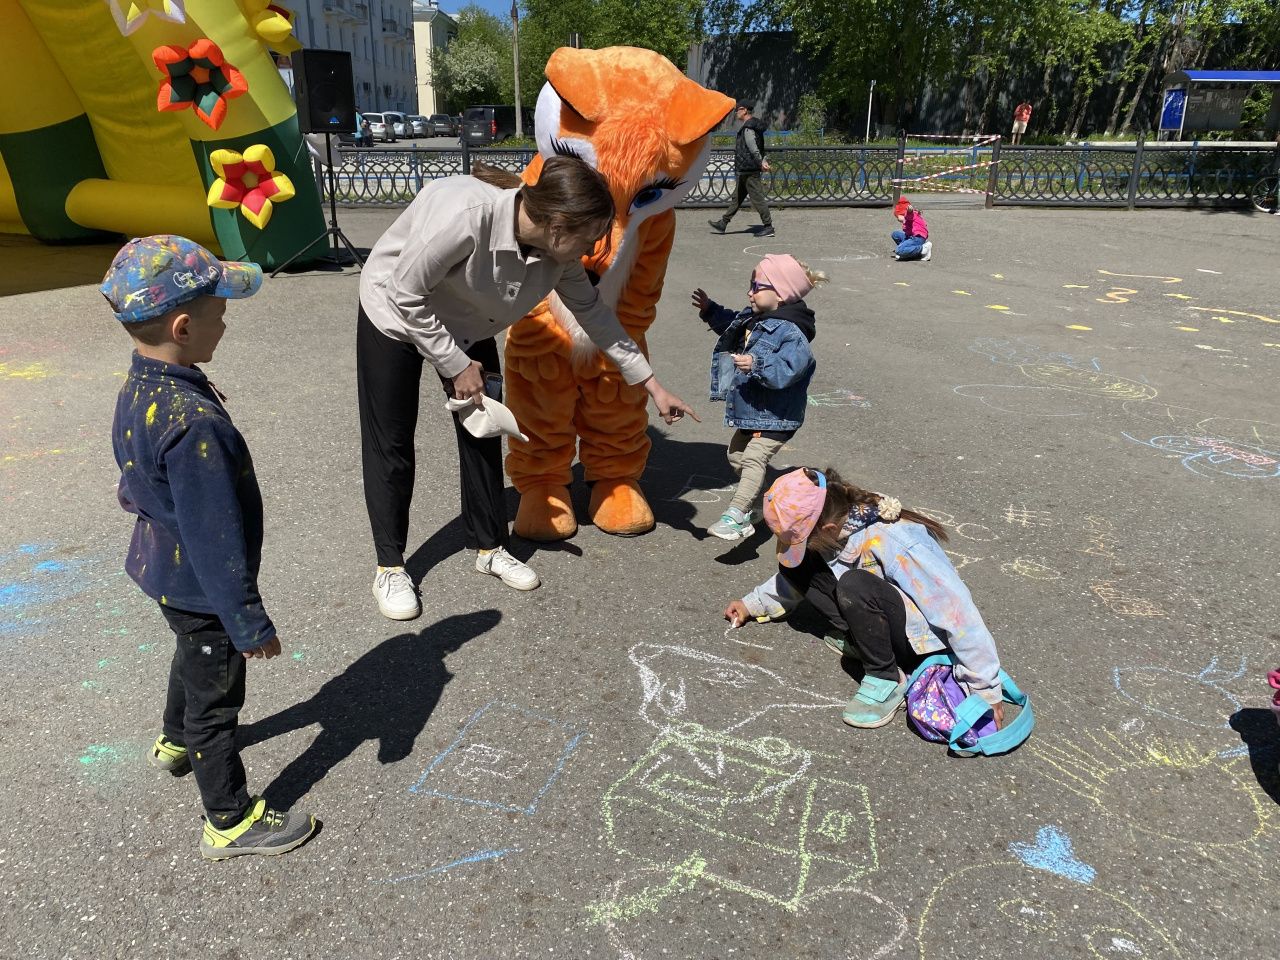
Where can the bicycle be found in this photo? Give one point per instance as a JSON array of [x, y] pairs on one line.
[[1263, 194]]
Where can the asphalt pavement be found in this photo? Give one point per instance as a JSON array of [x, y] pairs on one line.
[[1087, 400]]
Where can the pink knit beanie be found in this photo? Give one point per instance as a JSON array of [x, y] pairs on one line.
[[784, 273]]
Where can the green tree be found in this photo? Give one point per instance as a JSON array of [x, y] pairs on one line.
[[477, 66], [545, 25]]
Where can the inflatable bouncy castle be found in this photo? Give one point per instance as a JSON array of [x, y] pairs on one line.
[[137, 117]]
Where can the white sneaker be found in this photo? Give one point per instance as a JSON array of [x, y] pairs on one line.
[[397, 600], [499, 563], [926, 252]]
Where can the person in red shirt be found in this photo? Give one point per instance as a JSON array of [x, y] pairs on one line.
[[1021, 117]]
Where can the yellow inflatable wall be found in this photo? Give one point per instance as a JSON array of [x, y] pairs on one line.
[[153, 116]]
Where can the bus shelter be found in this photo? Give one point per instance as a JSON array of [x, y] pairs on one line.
[[1200, 100]]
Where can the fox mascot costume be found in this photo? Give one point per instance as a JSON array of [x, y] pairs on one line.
[[645, 126]]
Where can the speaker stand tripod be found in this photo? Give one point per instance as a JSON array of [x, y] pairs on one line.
[[334, 232]]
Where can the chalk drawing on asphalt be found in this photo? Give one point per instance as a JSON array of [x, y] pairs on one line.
[[1124, 603], [1216, 456], [761, 818], [1161, 788], [504, 758], [1201, 699], [700, 488], [1046, 911], [1053, 851], [681, 684]]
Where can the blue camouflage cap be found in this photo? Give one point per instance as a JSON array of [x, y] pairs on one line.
[[152, 275]]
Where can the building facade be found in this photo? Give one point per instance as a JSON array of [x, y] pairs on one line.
[[433, 29], [379, 35]]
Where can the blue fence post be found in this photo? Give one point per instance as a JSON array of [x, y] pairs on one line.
[[1191, 167], [1082, 161], [415, 166]]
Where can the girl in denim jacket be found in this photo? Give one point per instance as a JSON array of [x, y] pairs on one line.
[[879, 574], [761, 368]]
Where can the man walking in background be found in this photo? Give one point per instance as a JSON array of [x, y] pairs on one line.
[[748, 164], [1021, 117]]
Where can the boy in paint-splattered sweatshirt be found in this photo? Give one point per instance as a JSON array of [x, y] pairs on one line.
[[186, 474]]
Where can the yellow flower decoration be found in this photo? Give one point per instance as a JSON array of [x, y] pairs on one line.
[[250, 182], [273, 23], [131, 14]]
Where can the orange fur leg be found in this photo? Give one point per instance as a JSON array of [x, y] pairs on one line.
[[614, 446], [541, 392]]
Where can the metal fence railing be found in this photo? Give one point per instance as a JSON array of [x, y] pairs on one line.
[[1130, 175]]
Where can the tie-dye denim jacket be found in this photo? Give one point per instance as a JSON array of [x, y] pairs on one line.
[[940, 611]]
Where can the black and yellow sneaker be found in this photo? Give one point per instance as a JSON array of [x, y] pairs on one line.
[[169, 756], [263, 832]]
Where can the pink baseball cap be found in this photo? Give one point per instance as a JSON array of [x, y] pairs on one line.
[[791, 509]]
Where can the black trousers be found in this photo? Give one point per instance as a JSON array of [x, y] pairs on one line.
[[750, 185], [206, 692], [865, 606], [388, 379]]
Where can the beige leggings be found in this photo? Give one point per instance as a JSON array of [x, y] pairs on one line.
[[749, 455]]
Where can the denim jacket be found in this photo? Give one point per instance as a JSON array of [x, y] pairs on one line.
[[774, 394], [940, 611], [186, 475]]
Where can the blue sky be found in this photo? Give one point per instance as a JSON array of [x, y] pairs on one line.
[[501, 8]]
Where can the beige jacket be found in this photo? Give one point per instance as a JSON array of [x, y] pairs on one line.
[[449, 273]]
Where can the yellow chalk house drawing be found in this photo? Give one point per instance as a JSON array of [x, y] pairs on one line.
[[744, 815]]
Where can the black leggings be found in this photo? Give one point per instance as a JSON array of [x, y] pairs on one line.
[[388, 379], [865, 605]]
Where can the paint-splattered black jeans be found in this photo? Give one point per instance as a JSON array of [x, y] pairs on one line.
[[206, 692]]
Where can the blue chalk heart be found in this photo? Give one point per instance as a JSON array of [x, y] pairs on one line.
[[1052, 851]]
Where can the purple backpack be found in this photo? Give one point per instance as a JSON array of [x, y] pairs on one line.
[[939, 710]]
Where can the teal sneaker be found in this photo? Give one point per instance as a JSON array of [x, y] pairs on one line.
[[732, 525], [839, 643], [876, 703], [169, 756]]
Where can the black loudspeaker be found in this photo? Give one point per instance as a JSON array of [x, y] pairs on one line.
[[324, 90]]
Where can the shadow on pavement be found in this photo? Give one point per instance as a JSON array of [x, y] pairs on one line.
[[1261, 734], [387, 695]]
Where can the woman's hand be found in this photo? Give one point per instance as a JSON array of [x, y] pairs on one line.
[[700, 300], [743, 361], [670, 407], [736, 613], [469, 384]]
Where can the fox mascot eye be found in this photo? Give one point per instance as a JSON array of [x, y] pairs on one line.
[[654, 192]]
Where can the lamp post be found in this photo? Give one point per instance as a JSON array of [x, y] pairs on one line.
[[515, 56], [866, 137]]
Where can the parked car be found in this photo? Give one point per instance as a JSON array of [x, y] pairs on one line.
[[381, 127], [399, 123], [443, 125], [420, 125], [491, 123]]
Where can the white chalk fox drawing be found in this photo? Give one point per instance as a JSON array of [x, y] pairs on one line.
[[681, 684]]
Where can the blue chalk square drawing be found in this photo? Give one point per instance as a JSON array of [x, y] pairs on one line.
[[504, 758]]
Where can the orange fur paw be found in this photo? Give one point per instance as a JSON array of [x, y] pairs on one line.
[[546, 513], [618, 507]]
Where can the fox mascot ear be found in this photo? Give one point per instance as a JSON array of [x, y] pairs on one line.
[[584, 78]]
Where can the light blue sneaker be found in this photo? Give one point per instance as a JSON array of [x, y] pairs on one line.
[[875, 703], [734, 524], [839, 642]]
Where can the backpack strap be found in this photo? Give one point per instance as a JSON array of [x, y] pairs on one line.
[[937, 660], [974, 708]]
